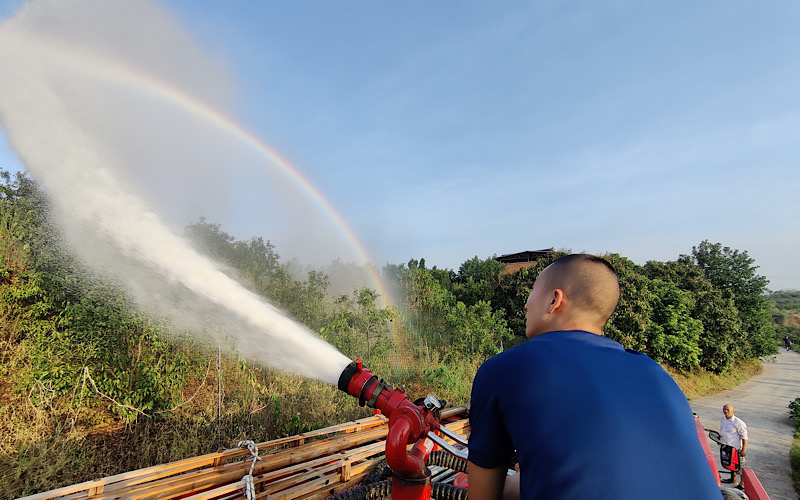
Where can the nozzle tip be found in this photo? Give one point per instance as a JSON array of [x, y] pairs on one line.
[[347, 375]]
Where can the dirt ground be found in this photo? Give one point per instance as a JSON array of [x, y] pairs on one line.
[[762, 402]]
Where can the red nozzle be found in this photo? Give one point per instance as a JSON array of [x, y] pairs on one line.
[[357, 381], [407, 421], [361, 383]]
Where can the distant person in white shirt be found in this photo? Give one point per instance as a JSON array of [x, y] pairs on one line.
[[734, 433]]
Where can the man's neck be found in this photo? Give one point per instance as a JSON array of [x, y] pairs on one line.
[[570, 323]]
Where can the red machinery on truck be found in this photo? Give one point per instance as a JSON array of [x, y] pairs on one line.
[[409, 424]]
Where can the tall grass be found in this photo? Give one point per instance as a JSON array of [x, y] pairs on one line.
[[48, 442]]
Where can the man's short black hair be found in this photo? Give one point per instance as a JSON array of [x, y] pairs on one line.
[[577, 274]]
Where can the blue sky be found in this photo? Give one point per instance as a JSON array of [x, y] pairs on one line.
[[446, 130]]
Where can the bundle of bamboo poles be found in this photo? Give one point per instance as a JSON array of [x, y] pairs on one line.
[[311, 465]]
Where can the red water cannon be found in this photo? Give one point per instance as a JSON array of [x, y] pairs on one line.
[[409, 423]]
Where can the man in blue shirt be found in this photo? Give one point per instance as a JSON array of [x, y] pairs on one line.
[[587, 418]]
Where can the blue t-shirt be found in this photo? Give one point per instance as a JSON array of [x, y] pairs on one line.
[[588, 419]]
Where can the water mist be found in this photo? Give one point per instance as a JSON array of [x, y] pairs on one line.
[[84, 136]]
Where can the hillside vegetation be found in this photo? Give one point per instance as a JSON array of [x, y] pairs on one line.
[[90, 386], [785, 310]]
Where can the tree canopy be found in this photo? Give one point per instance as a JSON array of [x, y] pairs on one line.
[[702, 310], [73, 346]]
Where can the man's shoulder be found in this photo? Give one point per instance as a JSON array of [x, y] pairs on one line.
[[508, 356], [559, 341], [580, 348], [509, 361]]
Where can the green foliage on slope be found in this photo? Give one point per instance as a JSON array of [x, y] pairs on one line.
[[89, 385]]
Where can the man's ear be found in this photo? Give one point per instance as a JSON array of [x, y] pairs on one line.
[[559, 300]]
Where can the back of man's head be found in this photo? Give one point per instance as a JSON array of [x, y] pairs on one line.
[[589, 283]]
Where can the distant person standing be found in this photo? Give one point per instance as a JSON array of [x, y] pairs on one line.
[[734, 433], [787, 342]]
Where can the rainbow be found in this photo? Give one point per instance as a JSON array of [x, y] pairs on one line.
[[127, 76]]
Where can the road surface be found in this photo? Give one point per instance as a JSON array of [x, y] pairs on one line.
[[762, 402]]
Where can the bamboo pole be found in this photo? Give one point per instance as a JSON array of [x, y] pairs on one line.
[[323, 464], [308, 466], [174, 486], [158, 471]]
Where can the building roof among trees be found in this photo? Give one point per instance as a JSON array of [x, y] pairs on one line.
[[526, 256]]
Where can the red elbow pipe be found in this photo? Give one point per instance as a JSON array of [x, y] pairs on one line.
[[397, 458]]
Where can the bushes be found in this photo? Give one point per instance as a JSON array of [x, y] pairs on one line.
[[720, 326], [451, 382], [794, 451], [673, 334], [68, 323], [80, 367], [358, 328], [700, 311], [733, 273], [673, 312], [476, 332]]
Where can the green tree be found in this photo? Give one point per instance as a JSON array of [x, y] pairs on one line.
[[476, 330], [70, 320], [721, 333], [734, 273], [357, 326], [256, 263], [477, 280], [426, 301], [305, 300], [212, 241], [672, 333], [630, 322], [256, 260]]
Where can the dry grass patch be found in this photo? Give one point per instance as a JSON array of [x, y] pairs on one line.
[[699, 383]]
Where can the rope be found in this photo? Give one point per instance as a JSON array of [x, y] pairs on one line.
[[249, 486]]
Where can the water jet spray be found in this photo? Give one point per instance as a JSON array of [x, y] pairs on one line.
[[70, 73]]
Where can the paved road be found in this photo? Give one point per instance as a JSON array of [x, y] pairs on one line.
[[762, 403]]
